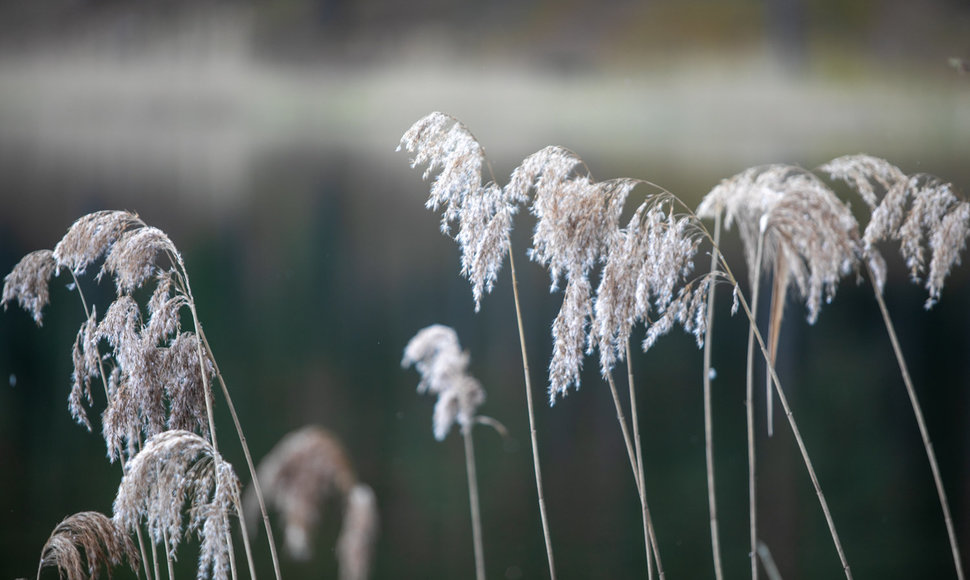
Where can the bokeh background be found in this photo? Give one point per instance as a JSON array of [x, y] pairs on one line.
[[261, 137]]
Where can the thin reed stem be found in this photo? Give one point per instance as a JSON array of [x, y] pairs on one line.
[[921, 422], [708, 421], [144, 556], [781, 396], [203, 341], [207, 388], [532, 420], [234, 574], [245, 536], [158, 574], [649, 537], [638, 477], [634, 464], [466, 432], [749, 410]]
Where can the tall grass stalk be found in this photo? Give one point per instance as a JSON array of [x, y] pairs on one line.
[[435, 353], [749, 413], [916, 211], [466, 434], [708, 421], [923, 431], [484, 213], [530, 407], [649, 536]]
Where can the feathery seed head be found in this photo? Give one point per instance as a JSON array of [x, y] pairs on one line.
[[181, 375], [304, 470], [483, 211], [90, 237], [173, 469], [870, 176], [919, 211], [577, 219], [163, 310], [132, 257], [644, 266], [436, 355], [28, 283], [103, 543], [86, 367], [809, 234]]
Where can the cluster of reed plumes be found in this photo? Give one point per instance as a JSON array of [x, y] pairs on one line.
[[158, 380], [305, 470], [793, 227]]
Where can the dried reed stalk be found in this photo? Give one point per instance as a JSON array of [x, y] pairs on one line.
[[103, 543], [436, 354], [915, 211], [484, 213]]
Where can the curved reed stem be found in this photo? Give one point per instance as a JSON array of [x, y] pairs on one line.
[[781, 394], [638, 476], [532, 420], [649, 537], [203, 341], [798, 436], [708, 421], [749, 411], [249, 458], [921, 422]]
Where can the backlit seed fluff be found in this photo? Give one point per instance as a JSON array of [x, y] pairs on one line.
[[921, 212], [484, 211], [90, 237], [28, 283], [436, 355], [175, 470], [103, 544]]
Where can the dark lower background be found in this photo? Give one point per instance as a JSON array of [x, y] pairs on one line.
[[261, 138]]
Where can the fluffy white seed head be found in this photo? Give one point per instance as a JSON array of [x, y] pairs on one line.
[[435, 353], [484, 211]]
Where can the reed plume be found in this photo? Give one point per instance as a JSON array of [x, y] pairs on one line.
[[645, 280], [178, 472], [28, 283], [576, 219], [103, 544], [435, 353], [921, 212], [299, 475], [484, 213]]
